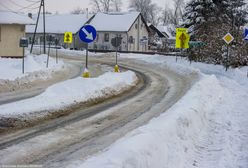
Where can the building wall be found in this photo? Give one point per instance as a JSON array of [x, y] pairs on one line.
[[101, 43], [9, 40], [76, 42], [137, 32]]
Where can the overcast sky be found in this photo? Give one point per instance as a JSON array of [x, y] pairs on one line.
[[62, 6], [69, 5]]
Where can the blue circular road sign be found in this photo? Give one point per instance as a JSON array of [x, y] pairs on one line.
[[87, 33]]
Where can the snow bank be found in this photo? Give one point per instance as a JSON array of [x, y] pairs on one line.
[[70, 92], [183, 66], [206, 128], [159, 143], [12, 78], [32, 63]]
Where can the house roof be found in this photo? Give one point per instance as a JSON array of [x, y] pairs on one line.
[[114, 22], [165, 29], [159, 33], [58, 24], [8, 17]]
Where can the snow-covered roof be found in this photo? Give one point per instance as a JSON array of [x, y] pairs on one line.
[[116, 22], [59, 23], [165, 29], [7, 17]]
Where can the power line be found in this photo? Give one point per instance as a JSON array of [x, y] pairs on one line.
[[28, 7], [6, 7], [16, 4]]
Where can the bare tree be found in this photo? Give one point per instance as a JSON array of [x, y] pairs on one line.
[[167, 16], [78, 10], [178, 11], [147, 9], [117, 5], [106, 5]]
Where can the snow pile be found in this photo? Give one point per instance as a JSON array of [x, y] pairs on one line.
[[12, 78], [71, 92], [206, 128], [32, 64], [159, 143]]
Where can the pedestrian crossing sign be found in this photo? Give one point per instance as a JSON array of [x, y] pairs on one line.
[[68, 37]]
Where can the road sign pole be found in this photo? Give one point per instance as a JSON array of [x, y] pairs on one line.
[[227, 59], [56, 53], [87, 34], [87, 50], [86, 73], [23, 53], [49, 46]]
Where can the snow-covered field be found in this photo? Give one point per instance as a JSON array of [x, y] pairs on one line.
[[207, 128]]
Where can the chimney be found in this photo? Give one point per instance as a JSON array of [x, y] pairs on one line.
[[30, 15]]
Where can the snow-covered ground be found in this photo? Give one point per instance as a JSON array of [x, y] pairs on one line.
[[66, 52], [11, 69], [12, 78], [207, 128], [70, 92]]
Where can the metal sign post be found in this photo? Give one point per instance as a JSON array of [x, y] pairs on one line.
[[23, 43], [87, 34], [56, 46], [228, 38], [182, 39], [116, 42], [49, 48], [23, 54]]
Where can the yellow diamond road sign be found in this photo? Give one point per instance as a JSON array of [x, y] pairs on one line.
[[228, 38], [182, 38], [68, 37]]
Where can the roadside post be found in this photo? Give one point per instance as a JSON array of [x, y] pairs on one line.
[[182, 39], [116, 42], [56, 41], [50, 37], [228, 38], [23, 43], [87, 34]]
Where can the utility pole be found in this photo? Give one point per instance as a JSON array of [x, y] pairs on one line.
[[44, 26], [42, 4]]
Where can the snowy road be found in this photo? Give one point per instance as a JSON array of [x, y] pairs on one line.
[[57, 143]]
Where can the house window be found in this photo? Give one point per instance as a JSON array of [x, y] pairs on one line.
[[106, 37], [131, 39], [136, 26]]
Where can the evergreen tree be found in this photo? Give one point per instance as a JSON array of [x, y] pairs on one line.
[[209, 21]]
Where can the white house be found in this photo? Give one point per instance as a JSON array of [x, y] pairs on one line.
[[57, 25], [130, 26], [12, 28]]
